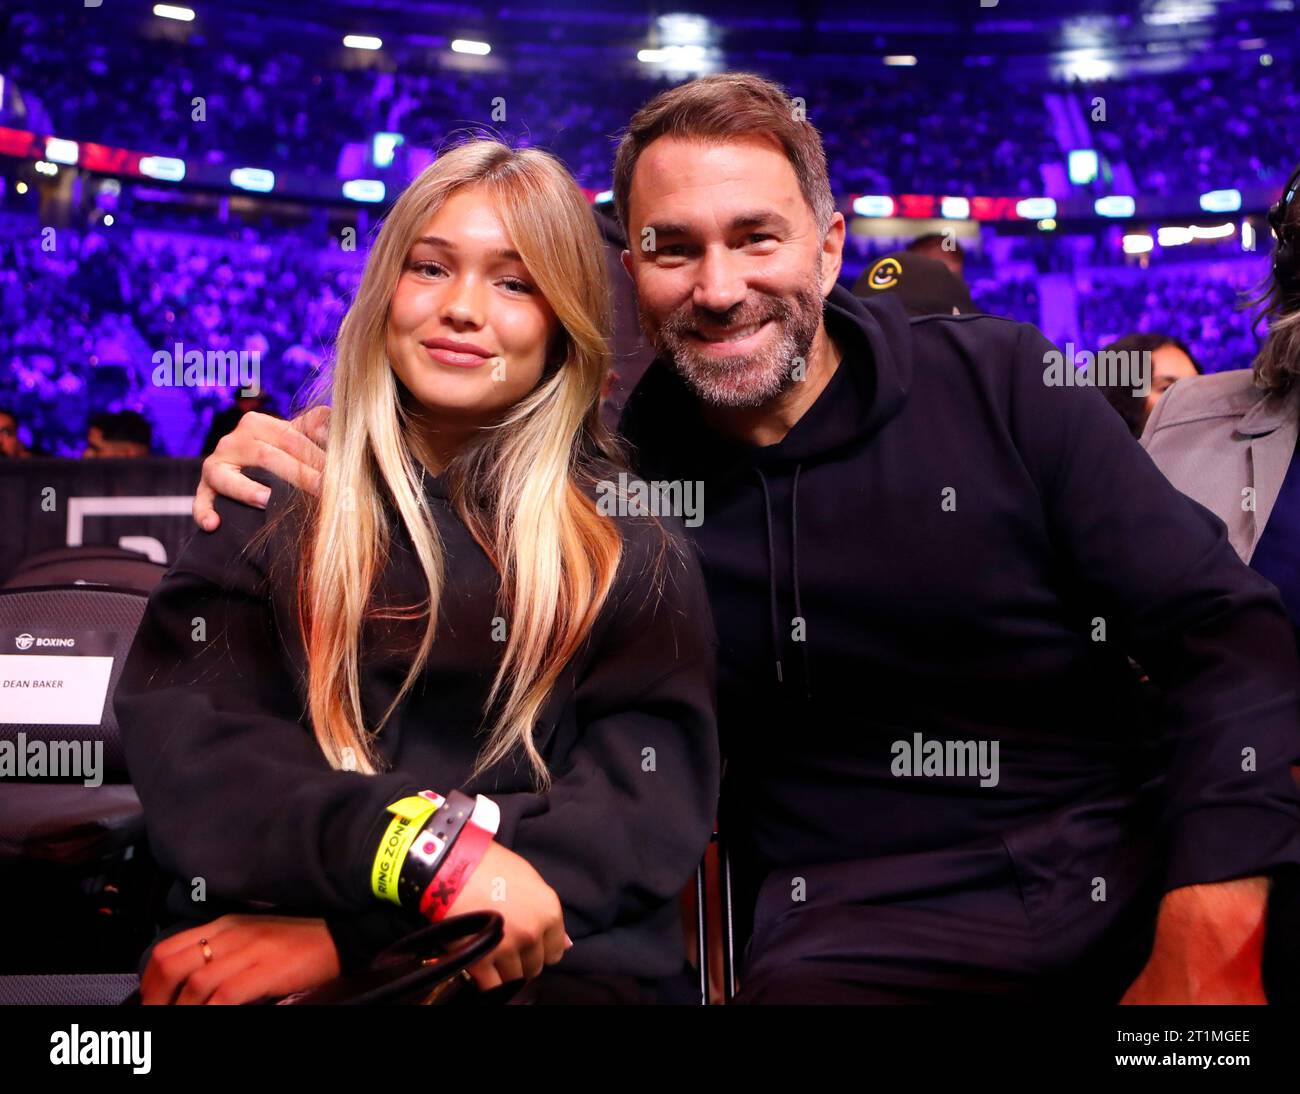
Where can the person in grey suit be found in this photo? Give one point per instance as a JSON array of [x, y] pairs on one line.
[[1229, 440]]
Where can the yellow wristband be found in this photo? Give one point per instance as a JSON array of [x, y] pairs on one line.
[[410, 816]]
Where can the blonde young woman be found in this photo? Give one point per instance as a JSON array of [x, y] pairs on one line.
[[453, 615]]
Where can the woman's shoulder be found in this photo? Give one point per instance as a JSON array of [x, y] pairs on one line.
[[249, 537]]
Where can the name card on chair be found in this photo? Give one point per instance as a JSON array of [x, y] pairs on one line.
[[49, 678]]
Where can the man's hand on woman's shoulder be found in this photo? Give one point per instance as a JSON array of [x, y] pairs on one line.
[[293, 450]]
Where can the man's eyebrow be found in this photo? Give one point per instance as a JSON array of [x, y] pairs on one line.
[[750, 219], [438, 241]]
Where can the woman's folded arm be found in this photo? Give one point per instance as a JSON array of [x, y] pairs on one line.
[[238, 799]]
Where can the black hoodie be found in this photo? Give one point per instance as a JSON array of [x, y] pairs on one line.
[[945, 544], [236, 791]]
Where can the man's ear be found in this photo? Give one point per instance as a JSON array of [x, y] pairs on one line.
[[626, 258], [832, 253]]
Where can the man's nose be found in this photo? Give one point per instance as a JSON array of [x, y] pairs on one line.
[[719, 286]]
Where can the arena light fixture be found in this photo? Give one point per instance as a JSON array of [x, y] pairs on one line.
[[1221, 201], [364, 190], [900, 60], [1086, 64], [165, 168], [173, 11], [874, 205], [1139, 243], [62, 151], [382, 147], [258, 180], [1047, 224], [1036, 208], [45, 167], [1173, 13], [362, 41], [1247, 236], [1114, 205], [21, 187], [1082, 163], [603, 198], [469, 45], [1174, 235], [955, 208], [108, 220], [1216, 231]]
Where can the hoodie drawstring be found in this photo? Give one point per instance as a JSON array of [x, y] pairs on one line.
[[794, 566], [771, 574]]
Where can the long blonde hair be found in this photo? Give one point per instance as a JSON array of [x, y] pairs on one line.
[[518, 486]]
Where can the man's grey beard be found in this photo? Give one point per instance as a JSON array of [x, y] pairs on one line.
[[755, 378]]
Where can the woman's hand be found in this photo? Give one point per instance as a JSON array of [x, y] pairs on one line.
[[534, 936], [253, 957]]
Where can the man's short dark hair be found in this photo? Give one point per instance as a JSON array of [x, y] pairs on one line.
[[125, 425], [935, 241]]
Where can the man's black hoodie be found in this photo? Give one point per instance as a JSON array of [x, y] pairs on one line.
[[946, 544]]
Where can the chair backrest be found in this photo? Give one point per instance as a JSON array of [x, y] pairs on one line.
[[87, 565], [99, 621]]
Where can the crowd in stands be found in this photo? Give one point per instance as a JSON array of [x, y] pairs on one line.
[[923, 130], [84, 320]]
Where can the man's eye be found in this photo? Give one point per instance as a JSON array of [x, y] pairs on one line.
[[759, 237]]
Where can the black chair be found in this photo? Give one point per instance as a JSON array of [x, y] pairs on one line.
[[90, 565], [73, 863]]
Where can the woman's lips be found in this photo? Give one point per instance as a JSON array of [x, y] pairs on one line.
[[457, 359]]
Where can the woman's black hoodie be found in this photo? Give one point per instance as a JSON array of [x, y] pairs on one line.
[[243, 811]]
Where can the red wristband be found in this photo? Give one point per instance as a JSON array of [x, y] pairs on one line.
[[462, 860]]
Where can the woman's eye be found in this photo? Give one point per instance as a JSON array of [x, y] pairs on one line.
[[515, 285], [426, 268]]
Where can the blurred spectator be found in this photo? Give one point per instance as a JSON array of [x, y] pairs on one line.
[[924, 286], [11, 445], [1145, 379], [938, 246], [225, 421], [125, 435]]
